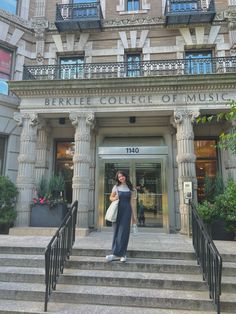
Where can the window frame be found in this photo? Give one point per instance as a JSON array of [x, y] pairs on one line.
[[216, 159], [133, 71], [7, 74], [67, 71], [63, 160], [193, 65], [133, 3]]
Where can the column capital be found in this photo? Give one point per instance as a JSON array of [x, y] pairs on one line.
[[75, 117], [183, 114], [20, 117]]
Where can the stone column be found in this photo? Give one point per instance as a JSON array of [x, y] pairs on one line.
[[42, 149], [26, 165], [82, 121], [185, 160]]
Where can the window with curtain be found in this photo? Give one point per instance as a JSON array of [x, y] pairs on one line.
[[9, 6], [133, 5], [198, 62], [71, 68], [5, 69], [133, 64], [183, 6], [206, 163]]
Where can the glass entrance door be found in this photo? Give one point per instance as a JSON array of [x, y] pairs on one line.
[[148, 179]]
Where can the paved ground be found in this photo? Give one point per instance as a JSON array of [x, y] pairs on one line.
[[102, 239]]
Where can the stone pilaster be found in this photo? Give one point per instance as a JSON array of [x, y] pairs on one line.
[[82, 121], [92, 183], [185, 160], [230, 160], [26, 167], [41, 150]]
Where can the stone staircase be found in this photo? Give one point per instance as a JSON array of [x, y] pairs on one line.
[[149, 282]]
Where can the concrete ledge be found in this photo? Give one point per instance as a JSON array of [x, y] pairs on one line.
[[43, 231], [32, 231]]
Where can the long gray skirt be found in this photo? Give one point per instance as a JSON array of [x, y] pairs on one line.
[[122, 225]]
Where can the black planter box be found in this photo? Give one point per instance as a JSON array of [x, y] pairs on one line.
[[45, 216], [219, 232]]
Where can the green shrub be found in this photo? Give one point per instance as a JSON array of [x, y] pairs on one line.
[[226, 205], [8, 193], [207, 212]]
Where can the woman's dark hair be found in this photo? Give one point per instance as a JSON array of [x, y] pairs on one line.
[[129, 184]]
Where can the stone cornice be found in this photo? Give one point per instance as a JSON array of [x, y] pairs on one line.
[[12, 18], [110, 86]]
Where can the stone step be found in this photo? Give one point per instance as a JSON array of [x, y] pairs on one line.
[[115, 278], [138, 254], [16, 307], [101, 295], [22, 260]]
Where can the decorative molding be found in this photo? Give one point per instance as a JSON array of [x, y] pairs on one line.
[[80, 89], [134, 21]]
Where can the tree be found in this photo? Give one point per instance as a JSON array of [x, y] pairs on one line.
[[226, 140]]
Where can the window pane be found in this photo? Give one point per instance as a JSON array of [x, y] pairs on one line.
[[9, 6], [2, 153], [184, 6], [198, 62], [84, 1], [132, 5], [72, 68], [5, 69], [133, 65]]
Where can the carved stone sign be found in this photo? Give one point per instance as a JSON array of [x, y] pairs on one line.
[[111, 102], [190, 98]]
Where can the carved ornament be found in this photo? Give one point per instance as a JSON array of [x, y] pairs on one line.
[[76, 116], [134, 20], [32, 117], [181, 115]]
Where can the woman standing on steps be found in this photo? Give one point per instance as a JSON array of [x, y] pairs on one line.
[[124, 191]]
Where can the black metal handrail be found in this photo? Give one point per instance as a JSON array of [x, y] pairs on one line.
[[200, 66], [58, 250], [208, 258]]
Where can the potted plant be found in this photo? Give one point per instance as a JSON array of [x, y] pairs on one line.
[[49, 206], [8, 193]]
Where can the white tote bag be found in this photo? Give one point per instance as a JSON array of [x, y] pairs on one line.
[[112, 210]]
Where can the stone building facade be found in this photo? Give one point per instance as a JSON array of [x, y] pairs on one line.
[[95, 87]]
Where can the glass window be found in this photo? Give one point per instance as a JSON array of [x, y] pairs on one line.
[[71, 68], [83, 1], [64, 164], [132, 5], [3, 144], [183, 6], [206, 163], [9, 5], [198, 62], [5, 69], [133, 64]]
